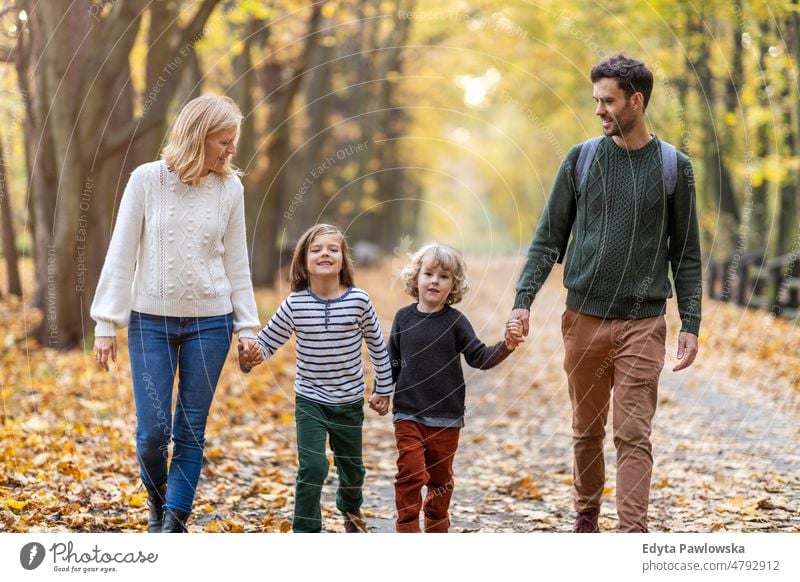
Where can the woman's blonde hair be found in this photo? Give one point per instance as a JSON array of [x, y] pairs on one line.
[[184, 153], [298, 272], [442, 256]]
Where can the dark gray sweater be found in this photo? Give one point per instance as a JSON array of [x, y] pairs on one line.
[[425, 350]]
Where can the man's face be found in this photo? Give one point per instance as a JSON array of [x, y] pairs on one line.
[[618, 114]]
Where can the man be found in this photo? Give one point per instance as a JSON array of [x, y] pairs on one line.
[[627, 231]]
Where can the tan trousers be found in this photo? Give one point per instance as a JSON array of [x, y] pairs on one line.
[[623, 357]]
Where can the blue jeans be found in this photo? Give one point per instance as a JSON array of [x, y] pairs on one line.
[[158, 346]]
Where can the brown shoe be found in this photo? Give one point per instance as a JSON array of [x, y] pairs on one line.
[[586, 522], [354, 522]]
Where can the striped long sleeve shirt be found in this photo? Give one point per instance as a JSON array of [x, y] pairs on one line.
[[329, 333]]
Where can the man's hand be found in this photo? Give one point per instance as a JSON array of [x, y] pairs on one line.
[[687, 350], [524, 315], [105, 346], [513, 336]]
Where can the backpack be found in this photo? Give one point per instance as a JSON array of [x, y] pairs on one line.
[[669, 161]]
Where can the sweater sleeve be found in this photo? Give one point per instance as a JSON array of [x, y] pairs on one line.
[[395, 355], [111, 308], [378, 354], [478, 354], [237, 269], [684, 249], [278, 330], [554, 228]]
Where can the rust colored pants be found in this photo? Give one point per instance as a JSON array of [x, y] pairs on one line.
[[623, 359], [425, 458]]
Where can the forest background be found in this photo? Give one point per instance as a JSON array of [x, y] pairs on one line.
[[400, 121]]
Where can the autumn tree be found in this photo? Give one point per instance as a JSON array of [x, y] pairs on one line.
[[86, 127]]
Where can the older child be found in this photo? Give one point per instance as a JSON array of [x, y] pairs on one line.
[[330, 317], [425, 346]]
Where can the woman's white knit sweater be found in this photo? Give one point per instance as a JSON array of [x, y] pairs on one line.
[[178, 251]]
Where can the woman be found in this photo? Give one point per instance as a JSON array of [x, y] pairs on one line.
[[177, 274]]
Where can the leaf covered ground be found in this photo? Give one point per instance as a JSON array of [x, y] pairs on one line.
[[725, 435]]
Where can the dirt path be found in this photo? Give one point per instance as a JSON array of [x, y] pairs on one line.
[[725, 435], [726, 450]]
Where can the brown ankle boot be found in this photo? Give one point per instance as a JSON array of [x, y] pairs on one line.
[[586, 522]]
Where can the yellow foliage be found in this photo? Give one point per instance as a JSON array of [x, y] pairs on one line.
[[14, 504]]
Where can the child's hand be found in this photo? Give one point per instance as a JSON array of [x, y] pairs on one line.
[[379, 404], [250, 355], [513, 335], [244, 358]]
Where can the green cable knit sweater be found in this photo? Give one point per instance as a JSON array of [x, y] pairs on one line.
[[625, 236]]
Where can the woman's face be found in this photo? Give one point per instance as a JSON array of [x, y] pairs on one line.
[[218, 148]]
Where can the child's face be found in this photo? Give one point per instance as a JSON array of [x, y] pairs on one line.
[[324, 256], [433, 284]]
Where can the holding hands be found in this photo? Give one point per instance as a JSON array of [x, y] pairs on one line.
[[379, 404], [250, 354], [516, 328]]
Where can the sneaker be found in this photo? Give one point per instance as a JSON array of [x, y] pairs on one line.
[[354, 522], [586, 522]]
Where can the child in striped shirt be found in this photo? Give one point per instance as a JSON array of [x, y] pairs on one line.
[[329, 317]]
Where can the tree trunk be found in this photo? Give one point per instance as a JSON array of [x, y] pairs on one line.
[[311, 200], [9, 240], [759, 223], [388, 224], [269, 202], [270, 184], [716, 186], [790, 189], [81, 139]]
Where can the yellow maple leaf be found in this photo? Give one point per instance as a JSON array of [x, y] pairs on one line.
[[136, 500]]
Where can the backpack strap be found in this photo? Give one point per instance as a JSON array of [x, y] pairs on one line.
[[579, 172], [585, 157], [669, 160]]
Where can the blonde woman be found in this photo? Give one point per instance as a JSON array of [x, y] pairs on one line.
[[177, 275]]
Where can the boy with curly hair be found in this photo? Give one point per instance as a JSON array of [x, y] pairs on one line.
[[426, 343]]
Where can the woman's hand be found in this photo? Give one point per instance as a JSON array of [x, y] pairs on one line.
[[250, 354], [105, 346]]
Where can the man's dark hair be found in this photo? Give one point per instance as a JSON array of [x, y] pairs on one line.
[[632, 76]]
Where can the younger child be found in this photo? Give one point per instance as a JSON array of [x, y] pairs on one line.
[[330, 317], [425, 346]]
